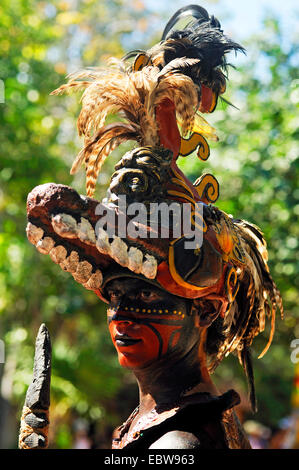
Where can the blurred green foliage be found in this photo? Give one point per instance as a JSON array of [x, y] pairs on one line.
[[255, 162]]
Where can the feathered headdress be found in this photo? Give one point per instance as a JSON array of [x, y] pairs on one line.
[[135, 97], [166, 86], [186, 67]]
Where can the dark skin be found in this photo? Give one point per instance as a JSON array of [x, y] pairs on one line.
[[160, 338]]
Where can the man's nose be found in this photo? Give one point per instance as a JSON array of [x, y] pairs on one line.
[[124, 327], [120, 305], [121, 318], [121, 314]]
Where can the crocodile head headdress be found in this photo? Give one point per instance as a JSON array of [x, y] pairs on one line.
[[194, 250]]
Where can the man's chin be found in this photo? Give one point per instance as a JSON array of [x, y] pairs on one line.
[[130, 362]]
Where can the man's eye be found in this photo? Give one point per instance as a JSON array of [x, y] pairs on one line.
[[148, 295], [114, 294]]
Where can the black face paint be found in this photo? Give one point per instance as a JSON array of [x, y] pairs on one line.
[[147, 323]]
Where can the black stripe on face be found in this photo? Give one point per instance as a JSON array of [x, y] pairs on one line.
[[159, 337], [150, 322], [143, 320]]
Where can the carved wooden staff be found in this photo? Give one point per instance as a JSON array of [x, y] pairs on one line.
[[35, 416]]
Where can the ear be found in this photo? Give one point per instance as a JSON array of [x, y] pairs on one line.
[[207, 310]]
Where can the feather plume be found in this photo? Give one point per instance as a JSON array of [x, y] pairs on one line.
[[203, 39], [176, 69], [105, 141], [201, 126], [177, 65], [132, 95], [257, 299], [246, 361], [191, 10]]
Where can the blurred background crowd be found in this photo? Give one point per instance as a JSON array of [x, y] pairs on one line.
[[255, 162]]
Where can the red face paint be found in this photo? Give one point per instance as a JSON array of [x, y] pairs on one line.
[[147, 323], [143, 338]]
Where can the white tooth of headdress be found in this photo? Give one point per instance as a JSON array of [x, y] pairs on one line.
[[135, 259], [149, 267], [70, 263], [65, 225], [86, 232], [45, 245], [58, 254], [119, 251], [102, 241], [34, 233], [83, 272], [95, 281]]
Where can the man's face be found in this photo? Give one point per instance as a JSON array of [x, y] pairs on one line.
[[147, 324]]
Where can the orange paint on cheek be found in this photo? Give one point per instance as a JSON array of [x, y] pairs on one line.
[[139, 354], [151, 340]]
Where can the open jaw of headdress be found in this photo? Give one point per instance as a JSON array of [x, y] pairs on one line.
[[162, 91]]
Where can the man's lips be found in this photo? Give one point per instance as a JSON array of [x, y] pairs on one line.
[[125, 340]]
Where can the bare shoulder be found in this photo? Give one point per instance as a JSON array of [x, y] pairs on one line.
[[176, 440]]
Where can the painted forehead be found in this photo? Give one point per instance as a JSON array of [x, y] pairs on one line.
[[129, 286], [164, 302]]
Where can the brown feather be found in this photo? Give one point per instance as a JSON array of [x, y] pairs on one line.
[[70, 87], [96, 151], [257, 300]]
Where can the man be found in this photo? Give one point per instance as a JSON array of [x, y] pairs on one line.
[[186, 288], [160, 338]]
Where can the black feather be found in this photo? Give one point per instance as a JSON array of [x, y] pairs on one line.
[[200, 39], [191, 10], [206, 43], [246, 361]]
